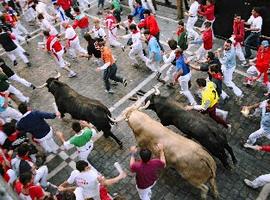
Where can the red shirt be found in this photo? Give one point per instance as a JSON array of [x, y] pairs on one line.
[[53, 44], [263, 59], [207, 11], [207, 37], [81, 21], [151, 24], [65, 4], [265, 148], [36, 191], [239, 31], [147, 173]]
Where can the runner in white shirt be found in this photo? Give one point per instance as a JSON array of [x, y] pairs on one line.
[[255, 21], [170, 60], [192, 19], [73, 43], [136, 47], [45, 25], [60, 15], [97, 30]]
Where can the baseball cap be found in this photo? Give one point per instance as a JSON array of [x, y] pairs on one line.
[[265, 43]]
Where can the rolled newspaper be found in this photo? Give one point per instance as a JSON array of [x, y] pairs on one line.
[[118, 167], [245, 111]]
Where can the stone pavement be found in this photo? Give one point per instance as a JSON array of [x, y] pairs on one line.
[[89, 83]]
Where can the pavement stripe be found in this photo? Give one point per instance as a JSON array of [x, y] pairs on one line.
[[57, 169]]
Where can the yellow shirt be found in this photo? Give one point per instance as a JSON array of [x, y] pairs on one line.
[[209, 95]]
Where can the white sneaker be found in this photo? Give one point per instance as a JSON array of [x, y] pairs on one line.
[[26, 100], [110, 91], [225, 115], [229, 128], [248, 183], [72, 74]]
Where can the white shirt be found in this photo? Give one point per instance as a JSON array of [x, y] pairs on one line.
[[193, 10], [3, 137], [99, 33], [45, 25], [255, 23], [86, 180], [170, 58], [70, 33]]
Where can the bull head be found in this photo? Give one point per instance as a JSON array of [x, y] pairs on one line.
[[50, 83]]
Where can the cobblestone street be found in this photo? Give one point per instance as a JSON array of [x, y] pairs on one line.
[[89, 83]]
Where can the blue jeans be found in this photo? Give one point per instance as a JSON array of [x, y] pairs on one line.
[[252, 40]]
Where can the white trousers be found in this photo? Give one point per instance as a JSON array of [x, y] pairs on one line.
[[75, 47], [137, 51], [41, 176], [190, 27], [183, 82], [153, 66], [252, 138], [83, 4], [112, 38], [264, 192], [18, 94], [239, 52], [261, 181], [83, 155], [228, 75], [252, 71], [80, 196], [58, 56], [30, 14], [17, 52], [130, 4], [148, 4], [224, 95], [170, 72], [10, 113], [15, 77], [201, 53], [145, 194], [48, 142]]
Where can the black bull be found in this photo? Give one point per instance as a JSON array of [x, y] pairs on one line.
[[195, 125], [81, 107]]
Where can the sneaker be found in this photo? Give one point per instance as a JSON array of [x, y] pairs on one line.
[[135, 65], [244, 63], [161, 80], [248, 182], [72, 74], [125, 83], [109, 91], [32, 86], [158, 75], [170, 85], [15, 63], [67, 64], [28, 64], [26, 100], [28, 36], [27, 54], [123, 48], [114, 83], [229, 128]]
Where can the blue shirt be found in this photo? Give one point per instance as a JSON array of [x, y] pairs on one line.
[[153, 47], [265, 121], [2, 102], [33, 122], [139, 11], [229, 58], [181, 65]]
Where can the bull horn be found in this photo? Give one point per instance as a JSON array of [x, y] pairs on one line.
[[41, 86], [157, 91], [145, 106], [58, 75], [119, 119]]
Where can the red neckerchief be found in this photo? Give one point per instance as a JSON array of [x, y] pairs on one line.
[[217, 76], [26, 158], [135, 31], [179, 31], [149, 37]]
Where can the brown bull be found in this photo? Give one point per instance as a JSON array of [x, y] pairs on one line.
[[190, 160]]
